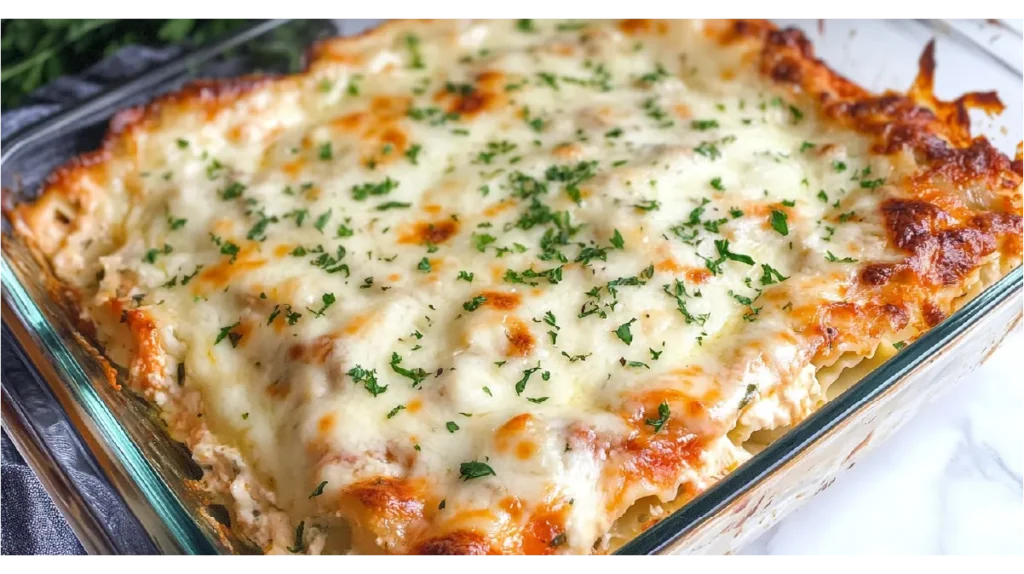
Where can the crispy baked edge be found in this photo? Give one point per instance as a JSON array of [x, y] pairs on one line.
[[935, 132]]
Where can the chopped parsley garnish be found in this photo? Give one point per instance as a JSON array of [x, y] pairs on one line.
[[474, 303], [839, 166], [176, 222], [572, 176], [658, 74], [678, 292], [229, 248], [623, 332], [702, 125], [393, 205], [494, 149], [796, 113], [413, 153], [872, 183], [521, 385], [722, 246], [617, 241], [709, 150], [779, 222], [656, 113], [435, 116], [482, 240], [525, 25], [395, 411], [833, 259], [574, 358], [806, 146], [300, 545], [749, 303], [368, 379], [365, 190], [899, 345], [328, 300], [152, 254], [227, 332], [424, 265], [412, 43], [529, 277], [326, 151], [415, 375], [823, 196], [258, 230], [663, 416], [187, 278], [717, 184], [548, 79], [466, 276], [771, 275], [589, 253], [233, 190], [648, 205], [451, 426], [318, 490], [322, 219], [475, 469]]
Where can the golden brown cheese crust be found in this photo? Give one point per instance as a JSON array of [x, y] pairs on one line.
[[961, 206]]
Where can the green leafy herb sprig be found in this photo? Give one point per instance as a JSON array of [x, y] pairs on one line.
[[36, 52]]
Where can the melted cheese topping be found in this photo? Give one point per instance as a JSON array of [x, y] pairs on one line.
[[495, 281]]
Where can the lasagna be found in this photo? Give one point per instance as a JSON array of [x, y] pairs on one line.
[[482, 287]]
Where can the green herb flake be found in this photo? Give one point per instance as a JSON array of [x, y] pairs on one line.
[[475, 469], [521, 384], [415, 375], [623, 332], [663, 416], [831, 258], [232, 191], [474, 303], [326, 151], [368, 379], [393, 205], [300, 544], [318, 490], [779, 222]]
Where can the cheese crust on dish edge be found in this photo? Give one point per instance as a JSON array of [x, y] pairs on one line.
[[480, 287]]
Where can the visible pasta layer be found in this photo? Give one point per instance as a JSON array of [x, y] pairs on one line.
[[478, 287]]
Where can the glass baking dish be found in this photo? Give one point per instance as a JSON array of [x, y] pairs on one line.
[[77, 431]]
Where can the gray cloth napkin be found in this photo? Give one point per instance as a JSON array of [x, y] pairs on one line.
[[31, 524]]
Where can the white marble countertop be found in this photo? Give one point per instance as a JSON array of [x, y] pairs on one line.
[[948, 482]]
